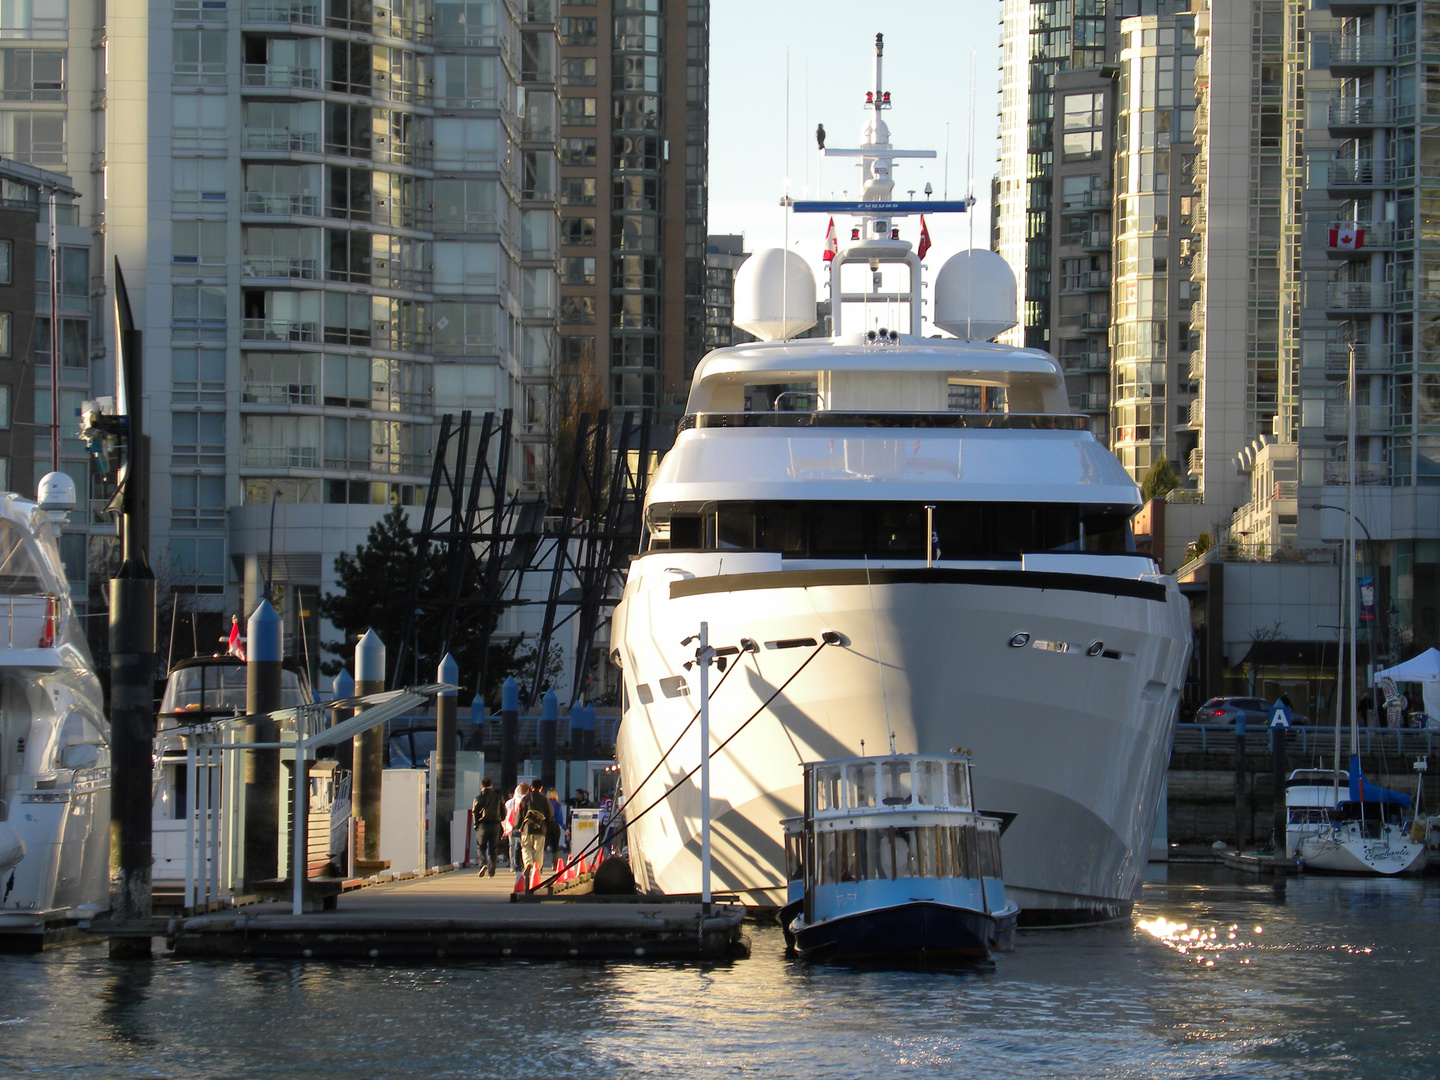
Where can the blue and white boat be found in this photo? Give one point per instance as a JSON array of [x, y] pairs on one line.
[[892, 862]]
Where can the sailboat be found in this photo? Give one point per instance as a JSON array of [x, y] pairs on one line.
[[1365, 830]]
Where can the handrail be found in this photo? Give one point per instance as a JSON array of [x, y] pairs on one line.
[[826, 419]]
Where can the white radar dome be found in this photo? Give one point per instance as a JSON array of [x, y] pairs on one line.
[[975, 296], [55, 492], [775, 295]]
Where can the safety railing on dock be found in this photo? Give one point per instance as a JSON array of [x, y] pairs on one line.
[[1304, 741]]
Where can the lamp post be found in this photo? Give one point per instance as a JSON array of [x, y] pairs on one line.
[[1374, 576]]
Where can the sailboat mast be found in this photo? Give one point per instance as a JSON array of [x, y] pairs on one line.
[[1351, 620]]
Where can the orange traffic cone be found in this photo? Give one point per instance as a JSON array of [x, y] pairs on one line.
[[519, 882], [535, 877]]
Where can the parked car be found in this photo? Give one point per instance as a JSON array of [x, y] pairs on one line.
[[1225, 710]]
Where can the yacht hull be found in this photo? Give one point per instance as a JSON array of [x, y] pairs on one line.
[[1344, 851], [1071, 741], [920, 933]]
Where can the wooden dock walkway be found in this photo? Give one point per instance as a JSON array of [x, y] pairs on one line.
[[457, 915]]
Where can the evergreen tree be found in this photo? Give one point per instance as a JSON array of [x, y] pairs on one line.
[[1159, 481]]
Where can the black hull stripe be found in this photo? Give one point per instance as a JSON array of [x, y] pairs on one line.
[[994, 579]]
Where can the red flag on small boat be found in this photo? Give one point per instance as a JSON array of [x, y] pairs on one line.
[[924, 238], [832, 246]]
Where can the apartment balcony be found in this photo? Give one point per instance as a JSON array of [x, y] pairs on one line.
[[281, 457], [280, 141], [1095, 281], [1091, 361], [280, 77], [1369, 359], [1202, 116], [280, 267], [1352, 175], [1094, 320], [1098, 402], [1194, 462], [1197, 309], [1096, 240], [1355, 239], [1202, 70], [1197, 414], [1346, 298], [302, 12], [275, 393], [1366, 472], [1360, 114], [1197, 366], [277, 330], [1369, 420], [1102, 198], [279, 204], [1357, 54]]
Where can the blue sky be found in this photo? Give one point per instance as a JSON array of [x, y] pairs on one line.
[[931, 47]]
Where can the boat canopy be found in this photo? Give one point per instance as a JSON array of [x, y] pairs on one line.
[[1360, 791]]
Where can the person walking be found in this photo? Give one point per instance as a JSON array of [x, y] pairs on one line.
[[512, 821], [488, 813], [555, 839], [534, 827]]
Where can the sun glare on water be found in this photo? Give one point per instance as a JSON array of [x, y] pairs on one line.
[[1204, 946]]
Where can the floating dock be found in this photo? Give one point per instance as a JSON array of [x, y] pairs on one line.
[[456, 915]]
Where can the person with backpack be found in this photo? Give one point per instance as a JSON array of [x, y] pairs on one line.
[[511, 827], [488, 813], [535, 819]]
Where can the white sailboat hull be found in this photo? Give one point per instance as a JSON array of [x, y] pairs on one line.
[[1343, 850], [1071, 741]]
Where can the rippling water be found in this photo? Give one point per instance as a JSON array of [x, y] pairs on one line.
[[1219, 975]]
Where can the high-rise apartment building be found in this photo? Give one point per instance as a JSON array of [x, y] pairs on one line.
[[337, 221], [1057, 223], [633, 151]]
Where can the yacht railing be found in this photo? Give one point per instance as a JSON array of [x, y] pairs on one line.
[[30, 621], [826, 419]]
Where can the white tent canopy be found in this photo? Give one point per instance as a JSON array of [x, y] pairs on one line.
[[1423, 668]]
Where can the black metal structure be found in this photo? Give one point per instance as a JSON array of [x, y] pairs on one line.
[[478, 541]]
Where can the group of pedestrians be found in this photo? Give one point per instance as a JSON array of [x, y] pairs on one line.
[[530, 821]]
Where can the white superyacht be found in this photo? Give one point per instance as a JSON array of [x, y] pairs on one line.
[[54, 735], [898, 543]]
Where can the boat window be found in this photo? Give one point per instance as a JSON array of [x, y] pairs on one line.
[[19, 575], [877, 865], [674, 686], [988, 842], [945, 860], [959, 783], [839, 856], [925, 861], [793, 861], [862, 779], [907, 857], [930, 783], [827, 787], [836, 530], [685, 531], [895, 783]]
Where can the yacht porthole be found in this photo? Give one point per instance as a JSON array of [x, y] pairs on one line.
[[1095, 649], [1019, 641]]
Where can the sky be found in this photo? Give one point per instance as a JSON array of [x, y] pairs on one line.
[[779, 67]]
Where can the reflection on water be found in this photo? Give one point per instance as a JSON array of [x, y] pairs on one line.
[[1219, 975]]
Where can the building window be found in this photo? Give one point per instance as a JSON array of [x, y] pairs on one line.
[[577, 310], [1083, 120], [198, 311], [74, 342], [197, 243], [577, 351], [197, 438], [577, 271], [197, 502], [34, 138], [579, 111], [198, 564], [6, 321], [577, 230], [4, 405], [577, 71], [199, 58], [32, 75], [577, 191], [7, 262], [581, 151], [579, 31]]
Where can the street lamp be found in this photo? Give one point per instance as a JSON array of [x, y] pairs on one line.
[[1374, 575]]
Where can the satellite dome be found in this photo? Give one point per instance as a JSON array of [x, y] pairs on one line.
[[975, 296], [775, 295]]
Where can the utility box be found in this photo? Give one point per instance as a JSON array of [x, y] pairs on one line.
[[584, 831], [402, 819]]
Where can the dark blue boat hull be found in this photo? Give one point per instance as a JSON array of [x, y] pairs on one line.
[[920, 932]]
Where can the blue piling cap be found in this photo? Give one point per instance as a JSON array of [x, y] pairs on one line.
[[370, 658], [477, 709], [343, 686], [549, 706], [262, 635], [589, 717], [510, 695], [448, 672]]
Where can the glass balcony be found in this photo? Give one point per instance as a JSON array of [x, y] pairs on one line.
[[1361, 113], [1369, 359], [1343, 298]]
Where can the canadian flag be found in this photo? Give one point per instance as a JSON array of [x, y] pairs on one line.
[[235, 642], [924, 245], [1347, 239], [832, 246]]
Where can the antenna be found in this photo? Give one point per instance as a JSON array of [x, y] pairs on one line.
[[970, 163]]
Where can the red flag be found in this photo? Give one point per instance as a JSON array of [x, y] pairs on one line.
[[924, 238], [237, 647], [832, 246], [1347, 239]]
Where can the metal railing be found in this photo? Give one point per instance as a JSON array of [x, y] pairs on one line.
[[1305, 741], [1361, 112], [1358, 295], [1368, 358]]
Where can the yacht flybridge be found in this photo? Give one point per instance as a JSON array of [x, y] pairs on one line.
[[895, 541]]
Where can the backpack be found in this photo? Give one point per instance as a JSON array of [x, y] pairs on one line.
[[533, 818]]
